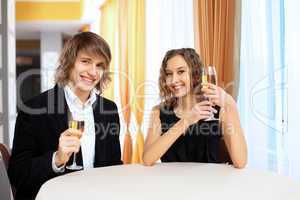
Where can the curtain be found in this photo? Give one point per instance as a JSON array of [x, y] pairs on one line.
[[124, 80], [114, 19], [108, 28], [136, 61], [85, 28], [123, 25], [217, 39], [292, 43], [169, 25], [262, 88], [132, 52]]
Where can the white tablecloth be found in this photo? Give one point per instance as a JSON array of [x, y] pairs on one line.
[[170, 181]]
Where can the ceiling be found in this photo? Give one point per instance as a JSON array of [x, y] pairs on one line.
[[32, 30], [65, 16]]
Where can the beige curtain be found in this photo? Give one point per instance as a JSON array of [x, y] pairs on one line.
[[124, 80], [217, 39], [129, 17], [108, 29], [113, 19], [137, 65], [132, 55]]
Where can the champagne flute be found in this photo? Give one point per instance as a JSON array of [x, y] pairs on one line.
[[79, 125], [212, 75], [203, 80], [212, 78], [204, 75], [209, 75]]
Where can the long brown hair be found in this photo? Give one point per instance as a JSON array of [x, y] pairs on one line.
[[89, 43], [194, 63]]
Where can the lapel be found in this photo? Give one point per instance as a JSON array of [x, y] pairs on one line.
[[58, 110], [99, 120]]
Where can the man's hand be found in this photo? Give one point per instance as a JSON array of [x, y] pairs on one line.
[[69, 142]]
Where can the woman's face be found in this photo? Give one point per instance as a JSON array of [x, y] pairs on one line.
[[178, 76]]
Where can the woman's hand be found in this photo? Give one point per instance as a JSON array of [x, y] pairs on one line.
[[200, 111], [216, 95]]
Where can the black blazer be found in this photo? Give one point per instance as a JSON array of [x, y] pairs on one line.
[[38, 127]]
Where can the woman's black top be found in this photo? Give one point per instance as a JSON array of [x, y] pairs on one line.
[[200, 143]]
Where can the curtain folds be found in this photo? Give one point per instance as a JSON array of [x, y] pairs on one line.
[[107, 31], [217, 39], [137, 65], [129, 18], [124, 79]]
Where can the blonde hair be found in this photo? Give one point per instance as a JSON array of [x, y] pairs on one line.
[[89, 43]]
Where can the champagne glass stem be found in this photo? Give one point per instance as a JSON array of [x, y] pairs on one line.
[[74, 158]]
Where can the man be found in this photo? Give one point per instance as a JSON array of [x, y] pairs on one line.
[[43, 143]]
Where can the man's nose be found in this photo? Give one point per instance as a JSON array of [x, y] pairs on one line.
[[93, 70]]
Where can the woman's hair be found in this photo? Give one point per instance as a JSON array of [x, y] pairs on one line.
[[194, 63], [86, 42]]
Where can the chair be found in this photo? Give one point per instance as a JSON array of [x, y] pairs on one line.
[[5, 189], [5, 154]]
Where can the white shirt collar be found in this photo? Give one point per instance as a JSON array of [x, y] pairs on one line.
[[72, 98]]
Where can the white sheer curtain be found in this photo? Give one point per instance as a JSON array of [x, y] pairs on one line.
[[262, 97], [169, 24], [292, 139]]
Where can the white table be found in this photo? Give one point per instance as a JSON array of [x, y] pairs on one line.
[[170, 181]]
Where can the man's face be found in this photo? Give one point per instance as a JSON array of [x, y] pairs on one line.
[[87, 72]]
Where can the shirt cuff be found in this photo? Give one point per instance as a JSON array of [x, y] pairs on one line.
[[54, 167]]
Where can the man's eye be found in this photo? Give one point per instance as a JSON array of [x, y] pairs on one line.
[[85, 61], [100, 66]]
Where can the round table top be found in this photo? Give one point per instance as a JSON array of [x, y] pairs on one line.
[[170, 181]]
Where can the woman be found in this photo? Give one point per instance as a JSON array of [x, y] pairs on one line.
[[178, 130]]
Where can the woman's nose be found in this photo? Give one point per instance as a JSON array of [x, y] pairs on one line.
[[175, 78]]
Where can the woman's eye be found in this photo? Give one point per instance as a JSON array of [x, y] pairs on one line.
[[181, 72]]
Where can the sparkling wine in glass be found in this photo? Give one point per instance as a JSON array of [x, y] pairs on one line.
[[212, 78], [203, 80], [204, 77], [79, 125], [211, 75]]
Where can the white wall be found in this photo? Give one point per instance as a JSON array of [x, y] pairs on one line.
[[51, 45]]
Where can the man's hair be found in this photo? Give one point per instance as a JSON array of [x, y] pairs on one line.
[[89, 43]]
